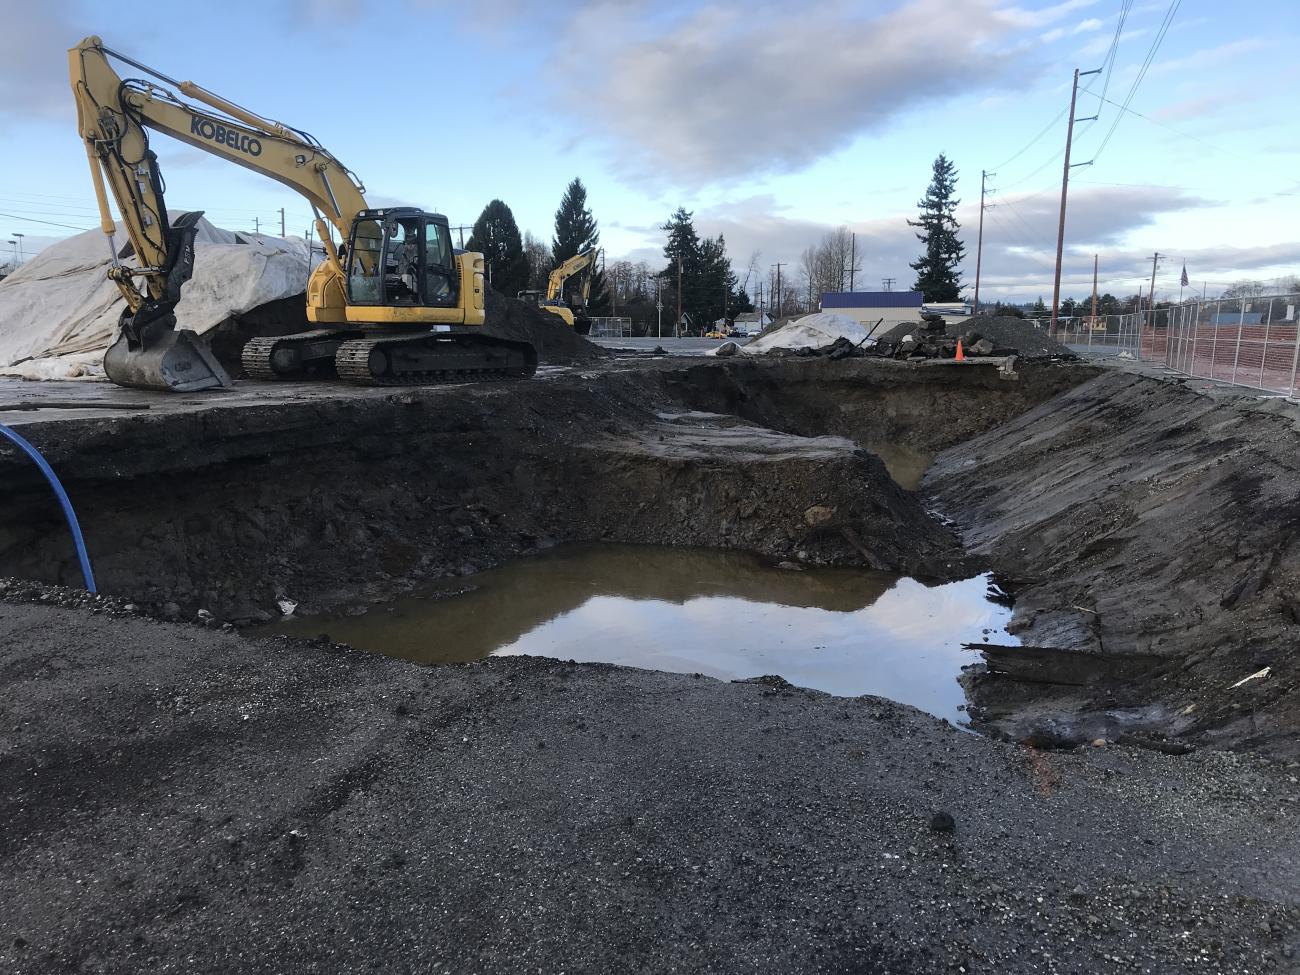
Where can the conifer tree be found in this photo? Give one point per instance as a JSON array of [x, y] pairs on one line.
[[576, 231], [938, 273], [496, 237]]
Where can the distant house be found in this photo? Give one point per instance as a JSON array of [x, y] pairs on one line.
[[749, 322], [868, 307]]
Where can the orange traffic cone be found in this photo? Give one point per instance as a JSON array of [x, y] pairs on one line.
[[961, 356]]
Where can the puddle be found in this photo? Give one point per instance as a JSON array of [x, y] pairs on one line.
[[905, 465], [724, 614]]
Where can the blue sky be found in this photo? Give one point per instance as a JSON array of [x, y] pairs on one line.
[[774, 122]]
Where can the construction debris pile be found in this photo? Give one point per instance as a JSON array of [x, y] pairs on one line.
[[980, 335], [837, 337], [59, 311]]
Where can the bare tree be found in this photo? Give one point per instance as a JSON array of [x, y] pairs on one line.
[[538, 256]]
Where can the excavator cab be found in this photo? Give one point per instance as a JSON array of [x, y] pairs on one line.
[[401, 256]]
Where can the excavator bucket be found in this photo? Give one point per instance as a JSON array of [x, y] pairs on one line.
[[151, 352], [174, 360]]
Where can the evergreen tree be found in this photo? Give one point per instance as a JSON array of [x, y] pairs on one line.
[[496, 237], [575, 232], [938, 276], [710, 290]]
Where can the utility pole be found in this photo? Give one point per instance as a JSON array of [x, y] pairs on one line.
[[853, 258], [282, 233], [1065, 184], [778, 265], [1151, 296], [659, 303], [257, 226], [888, 283], [979, 246], [678, 325]]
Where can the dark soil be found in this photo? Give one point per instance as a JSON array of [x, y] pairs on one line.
[[556, 343], [1157, 530], [181, 800], [346, 497], [1029, 341]]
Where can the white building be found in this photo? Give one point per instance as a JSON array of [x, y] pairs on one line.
[[868, 307]]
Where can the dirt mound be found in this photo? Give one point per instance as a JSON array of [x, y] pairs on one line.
[[556, 343], [1025, 337]]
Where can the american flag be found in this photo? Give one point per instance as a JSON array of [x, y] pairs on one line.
[[1183, 282]]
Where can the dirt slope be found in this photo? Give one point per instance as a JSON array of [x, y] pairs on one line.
[[556, 343], [1144, 522]]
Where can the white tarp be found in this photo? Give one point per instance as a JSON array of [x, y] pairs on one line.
[[59, 311], [810, 332]]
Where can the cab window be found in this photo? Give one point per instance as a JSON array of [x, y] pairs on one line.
[[402, 263], [439, 266], [364, 266]]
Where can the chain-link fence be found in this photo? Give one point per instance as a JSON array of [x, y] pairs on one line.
[[611, 328], [1248, 341]]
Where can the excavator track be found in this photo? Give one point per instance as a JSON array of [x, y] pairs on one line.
[[448, 357], [281, 357]]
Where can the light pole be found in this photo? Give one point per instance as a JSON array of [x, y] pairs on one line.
[[20, 247], [14, 245]]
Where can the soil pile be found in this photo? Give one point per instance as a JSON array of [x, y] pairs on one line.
[[556, 343], [1030, 341]]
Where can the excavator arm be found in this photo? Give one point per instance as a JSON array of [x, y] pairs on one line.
[[574, 265], [113, 115]]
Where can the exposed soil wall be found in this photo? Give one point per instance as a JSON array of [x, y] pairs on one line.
[[1158, 531], [349, 497], [925, 406]]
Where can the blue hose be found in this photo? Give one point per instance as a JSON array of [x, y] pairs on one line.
[[62, 495]]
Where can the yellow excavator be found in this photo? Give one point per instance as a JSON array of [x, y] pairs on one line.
[[394, 303], [568, 290]]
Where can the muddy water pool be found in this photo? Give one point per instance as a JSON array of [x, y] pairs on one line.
[[724, 614]]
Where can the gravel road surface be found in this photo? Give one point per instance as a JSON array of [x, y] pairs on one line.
[[177, 799]]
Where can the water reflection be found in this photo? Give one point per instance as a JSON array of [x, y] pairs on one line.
[[727, 615]]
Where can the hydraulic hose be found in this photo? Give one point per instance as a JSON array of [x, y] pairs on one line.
[[73, 526]]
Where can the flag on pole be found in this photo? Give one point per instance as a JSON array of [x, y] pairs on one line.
[[1183, 282]]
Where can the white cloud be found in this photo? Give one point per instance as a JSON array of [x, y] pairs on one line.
[[33, 59], [720, 92]]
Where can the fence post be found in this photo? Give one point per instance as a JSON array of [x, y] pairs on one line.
[[1236, 356], [1196, 330], [1295, 358], [1263, 355]]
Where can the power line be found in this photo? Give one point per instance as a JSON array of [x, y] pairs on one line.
[[1142, 73], [50, 223], [1046, 128], [1109, 63]]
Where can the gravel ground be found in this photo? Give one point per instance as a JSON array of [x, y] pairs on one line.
[[182, 799]]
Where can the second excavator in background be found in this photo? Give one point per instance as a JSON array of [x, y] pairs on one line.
[[568, 291], [394, 303]]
